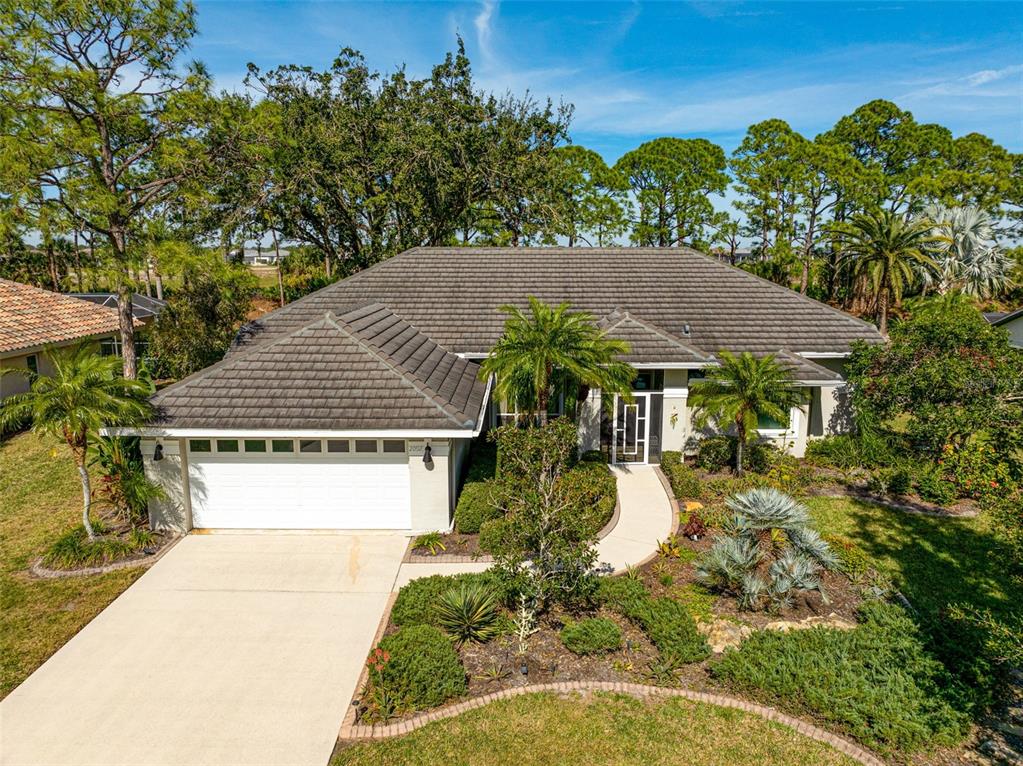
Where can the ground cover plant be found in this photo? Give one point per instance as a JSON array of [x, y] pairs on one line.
[[592, 635]]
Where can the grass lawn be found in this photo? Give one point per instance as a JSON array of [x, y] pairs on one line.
[[933, 561], [40, 498], [543, 729]]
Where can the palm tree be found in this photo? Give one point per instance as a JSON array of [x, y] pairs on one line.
[[550, 345], [884, 248], [84, 394], [965, 251], [741, 391]]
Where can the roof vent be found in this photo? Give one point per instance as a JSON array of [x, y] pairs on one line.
[[686, 329]]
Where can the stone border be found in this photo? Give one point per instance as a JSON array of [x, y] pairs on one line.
[[348, 722], [38, 570], [355, 732]]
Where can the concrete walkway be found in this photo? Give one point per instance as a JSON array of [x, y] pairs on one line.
[[232, 649], [646, 518]]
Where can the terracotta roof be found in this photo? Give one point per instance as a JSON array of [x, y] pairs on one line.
[[453, 294], [365, 369], [31, 317]]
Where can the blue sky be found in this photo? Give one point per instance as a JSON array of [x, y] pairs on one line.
[[635, 71]]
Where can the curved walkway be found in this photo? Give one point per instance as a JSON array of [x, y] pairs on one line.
[[638, 690], [647, 517]]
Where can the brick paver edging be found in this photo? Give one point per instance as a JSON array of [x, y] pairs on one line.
[[638, 690], [38, 570]]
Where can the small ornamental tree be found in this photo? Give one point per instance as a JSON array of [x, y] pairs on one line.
[[85, 394], [545, 547], [771, 551]]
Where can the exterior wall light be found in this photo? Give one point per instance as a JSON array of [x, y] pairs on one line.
[[427, 455], [158, 453]]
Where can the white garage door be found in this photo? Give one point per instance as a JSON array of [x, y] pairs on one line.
[[267, 490]]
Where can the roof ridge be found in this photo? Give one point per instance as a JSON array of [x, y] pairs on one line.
[[787, 290], [405, 374], [670, 337]]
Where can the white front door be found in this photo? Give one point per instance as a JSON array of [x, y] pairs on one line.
[[271, 491], [631, 429]]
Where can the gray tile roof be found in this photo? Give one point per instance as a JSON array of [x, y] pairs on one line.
[[452, 295], [649, 344], [804, 370], [364, 369]]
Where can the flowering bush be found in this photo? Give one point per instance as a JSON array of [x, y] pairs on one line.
[[975, 469]]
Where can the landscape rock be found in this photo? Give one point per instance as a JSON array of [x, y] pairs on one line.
[[831, 621]]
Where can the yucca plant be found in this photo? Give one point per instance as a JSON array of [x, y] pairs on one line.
[[771, 550], [469, 612]]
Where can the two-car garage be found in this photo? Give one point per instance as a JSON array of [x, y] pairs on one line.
[[299, 484]]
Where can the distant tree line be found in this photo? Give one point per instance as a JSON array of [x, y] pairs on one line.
[[120, 166]]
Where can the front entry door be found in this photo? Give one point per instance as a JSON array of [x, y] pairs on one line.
[[630, 439]]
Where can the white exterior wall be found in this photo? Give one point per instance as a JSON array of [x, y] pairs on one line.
[[174, 512], [675, 417], [1015, 329], [431, 485]]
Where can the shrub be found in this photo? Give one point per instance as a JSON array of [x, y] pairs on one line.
[[683, 480], [593, 456], [974, 469], [840, 451], [468, 612], [933, 487], [595, 635], [74, 550], [877, 682], [479, 502], [591, 491], [416, 603], [715, 453], [666, 622], [751, 562], [416, 668], [494, 535], [1006, 514], [482, 462]]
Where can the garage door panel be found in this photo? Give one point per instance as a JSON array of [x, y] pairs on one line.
[[299, 492]]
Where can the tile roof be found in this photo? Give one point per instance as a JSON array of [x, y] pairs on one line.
[[361, 370], [31, 317], [649, 344], [453, 295], [805, 370]]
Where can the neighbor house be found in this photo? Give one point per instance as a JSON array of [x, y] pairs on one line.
[[354, 407], [143, 308], [1011, 322], [33, 319]]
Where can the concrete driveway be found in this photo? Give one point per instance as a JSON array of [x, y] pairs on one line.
[[232, 649]]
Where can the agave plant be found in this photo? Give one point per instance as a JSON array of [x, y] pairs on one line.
[[469, 612], [771, 550]]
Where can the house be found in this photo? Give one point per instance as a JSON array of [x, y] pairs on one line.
[[143, 308], [261, 257], [1012, 322], [32, 319], [354, 407]]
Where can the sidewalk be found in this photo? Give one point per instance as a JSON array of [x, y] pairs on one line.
[[646, 518]]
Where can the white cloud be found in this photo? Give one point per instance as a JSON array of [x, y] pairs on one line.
[[484, 28]]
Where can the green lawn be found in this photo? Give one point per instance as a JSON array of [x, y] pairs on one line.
[[40, 498], [933, 561], [609, 729]]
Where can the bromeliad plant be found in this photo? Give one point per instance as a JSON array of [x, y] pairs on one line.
[[771, 552]]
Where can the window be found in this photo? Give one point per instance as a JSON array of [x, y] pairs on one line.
[[337, 445], [200, 445], [32, 362], [765, 423], [394, 445], [697, 374], [227, 445], [310, 445], [365, 445], [282, 445], [255, 445]]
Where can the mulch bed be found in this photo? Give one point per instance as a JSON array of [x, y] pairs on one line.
[[457, 547]]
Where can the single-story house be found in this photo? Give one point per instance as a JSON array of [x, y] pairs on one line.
[[1012, 322], [143, 308], [33, 319], [354, 407]]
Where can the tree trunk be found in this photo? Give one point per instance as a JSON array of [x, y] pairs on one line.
[[83, 473], [149, 280], [277, 258], [739, 450], [159, 280], [78, 264], [882, 310], [52, 262], [124, 308]]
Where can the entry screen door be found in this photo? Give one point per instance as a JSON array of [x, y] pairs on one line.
[[631, 429]]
